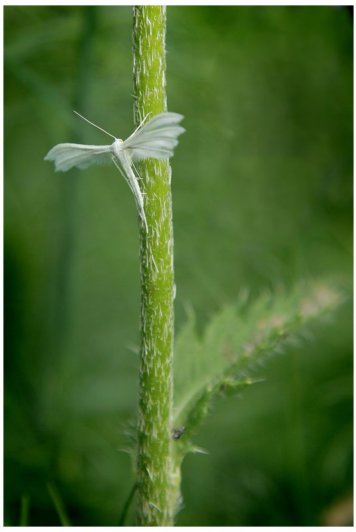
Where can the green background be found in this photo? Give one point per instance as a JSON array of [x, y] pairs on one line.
[[262, 192]]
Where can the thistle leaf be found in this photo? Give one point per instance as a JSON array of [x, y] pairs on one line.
[[235, 343]]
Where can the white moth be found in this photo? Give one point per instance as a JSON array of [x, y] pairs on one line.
[[156, 139]]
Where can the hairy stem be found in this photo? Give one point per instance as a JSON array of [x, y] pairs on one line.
[[154, 464]]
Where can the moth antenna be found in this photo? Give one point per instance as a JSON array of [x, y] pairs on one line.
[[92, 123]]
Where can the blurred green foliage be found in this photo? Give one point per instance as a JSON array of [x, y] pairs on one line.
[[262, 190]]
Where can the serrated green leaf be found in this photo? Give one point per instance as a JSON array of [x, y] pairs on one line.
[[235, 341]]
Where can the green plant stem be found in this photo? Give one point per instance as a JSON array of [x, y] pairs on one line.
[[127, 504], [58, 504], [154, 464], [25, 507]]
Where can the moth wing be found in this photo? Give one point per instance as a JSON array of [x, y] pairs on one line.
[[67, 156], [156, 139]]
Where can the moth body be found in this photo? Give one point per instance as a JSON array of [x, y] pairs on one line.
[[117, 147]]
